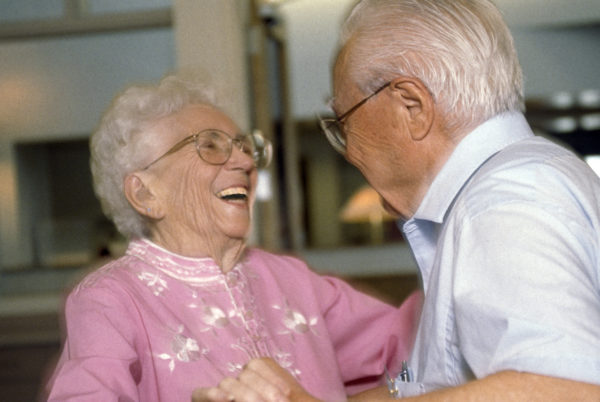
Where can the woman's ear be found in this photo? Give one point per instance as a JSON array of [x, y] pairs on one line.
[[417, 102], [141, 197]]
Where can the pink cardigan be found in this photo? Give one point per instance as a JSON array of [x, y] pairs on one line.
[[152, 326]]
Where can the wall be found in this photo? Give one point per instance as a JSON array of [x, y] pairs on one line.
[[57, 88]]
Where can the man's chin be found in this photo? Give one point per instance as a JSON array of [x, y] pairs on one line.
[[389, 209]]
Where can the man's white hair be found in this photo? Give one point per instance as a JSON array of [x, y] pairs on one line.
[[461, 50]]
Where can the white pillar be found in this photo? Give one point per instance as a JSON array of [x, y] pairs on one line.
[[211, 35]]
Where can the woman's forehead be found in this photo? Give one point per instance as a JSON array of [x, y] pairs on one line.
[[195, 118]]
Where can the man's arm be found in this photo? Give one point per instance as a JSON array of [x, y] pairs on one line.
[[504, 386]]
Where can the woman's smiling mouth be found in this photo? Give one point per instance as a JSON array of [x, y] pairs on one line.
[[233, 194]]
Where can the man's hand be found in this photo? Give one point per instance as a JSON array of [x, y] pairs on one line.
[[262, 380]]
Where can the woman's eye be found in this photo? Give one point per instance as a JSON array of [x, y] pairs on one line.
[[247, 149], [209, 144]]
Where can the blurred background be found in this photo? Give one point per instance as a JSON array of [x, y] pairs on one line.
[[62, 61]]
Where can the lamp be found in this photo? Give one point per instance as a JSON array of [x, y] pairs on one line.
[[364, 206]]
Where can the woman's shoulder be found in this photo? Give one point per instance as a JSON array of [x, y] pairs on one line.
[[260, 257], [287, 267], [118, 270], [278, 265]]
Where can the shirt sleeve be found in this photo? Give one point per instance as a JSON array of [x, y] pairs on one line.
[[526, 292], [99, 360], [368, 336]]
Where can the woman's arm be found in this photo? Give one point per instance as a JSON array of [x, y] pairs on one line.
[[99, 358]]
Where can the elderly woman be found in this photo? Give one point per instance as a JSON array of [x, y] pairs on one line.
[[189, 304]]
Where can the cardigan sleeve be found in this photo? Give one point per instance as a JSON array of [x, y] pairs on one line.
[[369, 336], [99, 360]]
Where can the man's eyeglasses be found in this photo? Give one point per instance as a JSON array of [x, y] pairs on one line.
[[334, 128], [215, 147]]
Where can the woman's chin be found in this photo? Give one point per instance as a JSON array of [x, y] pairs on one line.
[[236, 232]]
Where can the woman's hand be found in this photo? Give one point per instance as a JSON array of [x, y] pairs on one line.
[[262, 380]]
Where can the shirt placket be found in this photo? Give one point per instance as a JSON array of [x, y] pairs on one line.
[[255, 340]]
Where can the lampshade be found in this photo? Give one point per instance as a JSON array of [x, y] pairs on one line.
[[364, 206]]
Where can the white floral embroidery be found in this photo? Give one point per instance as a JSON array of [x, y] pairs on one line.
[[248, 346], [166, 356], [285, 361], [235, 367], [153, 281], [295, 322], [184, 349], [213, 316]]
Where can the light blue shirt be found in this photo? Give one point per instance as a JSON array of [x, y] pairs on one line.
[[507, 243]]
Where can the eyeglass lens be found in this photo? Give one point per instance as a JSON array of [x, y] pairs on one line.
[[215, 147], [334, 128], [334, 132]]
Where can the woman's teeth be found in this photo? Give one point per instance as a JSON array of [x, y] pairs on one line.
[[233, 193]]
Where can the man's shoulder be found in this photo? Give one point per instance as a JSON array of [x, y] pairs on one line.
[[527, 162], [534, 173]]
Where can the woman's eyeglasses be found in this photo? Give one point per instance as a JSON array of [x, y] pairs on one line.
[[215, 147]]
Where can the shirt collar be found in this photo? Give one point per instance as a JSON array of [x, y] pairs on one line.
[[472, 151]]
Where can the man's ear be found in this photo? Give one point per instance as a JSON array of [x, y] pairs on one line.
[[141, 197], [418, 104]]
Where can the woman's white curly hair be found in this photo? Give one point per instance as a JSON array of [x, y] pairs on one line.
[[118, 147]]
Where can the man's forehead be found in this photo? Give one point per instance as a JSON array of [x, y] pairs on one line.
[[344, 93], [339, 72], [338, 95], [330, 102]]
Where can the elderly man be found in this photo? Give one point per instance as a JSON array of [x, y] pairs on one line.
[[504, 225]]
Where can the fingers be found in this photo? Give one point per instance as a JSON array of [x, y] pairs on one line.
[[268, 387], [248, 387], [240, 392], [281, 378], [212, 394], [261, 380], [271, 373], [275, 376]]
